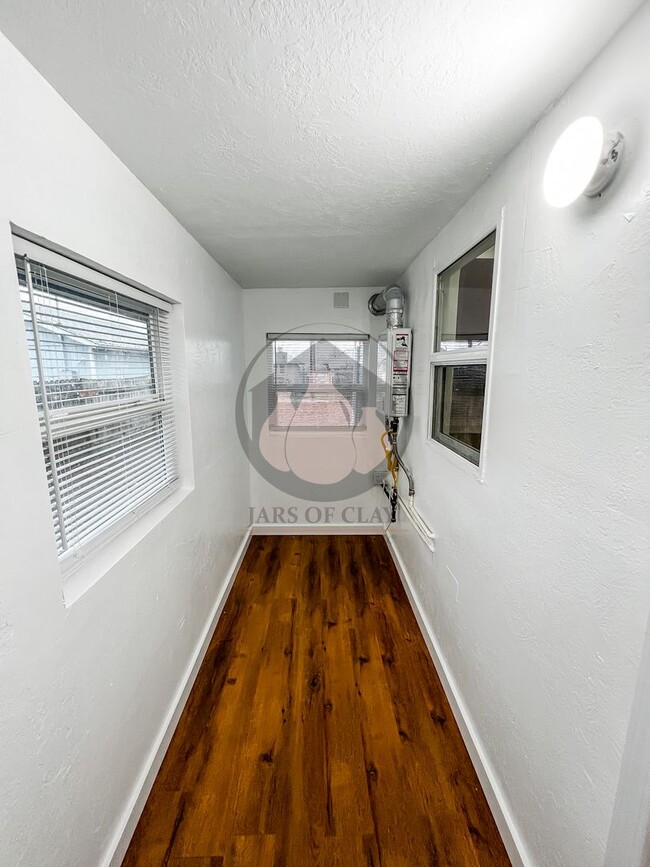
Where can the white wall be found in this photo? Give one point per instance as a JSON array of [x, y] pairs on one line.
[[538, 592], [279, 310], [86, 688], [629, 835]]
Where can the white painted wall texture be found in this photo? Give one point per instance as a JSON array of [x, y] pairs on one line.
[[85, 689], [538, 592]]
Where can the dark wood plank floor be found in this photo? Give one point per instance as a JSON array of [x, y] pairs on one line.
[[317, 732]]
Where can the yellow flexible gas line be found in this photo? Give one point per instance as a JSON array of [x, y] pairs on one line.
[[391, 460]]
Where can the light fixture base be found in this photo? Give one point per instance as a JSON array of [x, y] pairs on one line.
[[610, 160]]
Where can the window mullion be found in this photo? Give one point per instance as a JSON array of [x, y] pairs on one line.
[[461, 356], [89, 416]]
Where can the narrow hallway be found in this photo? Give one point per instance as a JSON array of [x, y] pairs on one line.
[[317, 731]]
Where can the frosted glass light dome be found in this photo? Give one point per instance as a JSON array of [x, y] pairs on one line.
[[573, 161]]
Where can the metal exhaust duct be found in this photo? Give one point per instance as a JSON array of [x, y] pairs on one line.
[[390, 303]]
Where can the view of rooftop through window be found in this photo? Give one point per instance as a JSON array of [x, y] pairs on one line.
[[90, 352], [317, 382]]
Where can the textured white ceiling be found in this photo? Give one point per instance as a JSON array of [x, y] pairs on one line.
[[311, 142]]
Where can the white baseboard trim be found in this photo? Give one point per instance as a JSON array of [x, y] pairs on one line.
[[317, 529], [126, 826], [486, 773]]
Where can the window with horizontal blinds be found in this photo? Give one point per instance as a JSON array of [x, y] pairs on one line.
[[101, 370], [317, 382]]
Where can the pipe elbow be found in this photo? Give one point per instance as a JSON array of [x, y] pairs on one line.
[[389, 300]]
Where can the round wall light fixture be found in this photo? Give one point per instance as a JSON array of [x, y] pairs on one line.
[[584, 159]]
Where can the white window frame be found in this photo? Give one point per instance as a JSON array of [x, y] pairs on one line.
[[478, 355], [77, 554]]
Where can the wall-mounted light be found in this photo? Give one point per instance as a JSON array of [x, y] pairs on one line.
[[584, 159]]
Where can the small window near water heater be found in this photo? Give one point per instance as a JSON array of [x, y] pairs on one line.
[[458, 410], [464, 298], [461, 344]]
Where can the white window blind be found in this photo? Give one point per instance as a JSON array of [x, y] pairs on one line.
[[317, 381], [102, 378]]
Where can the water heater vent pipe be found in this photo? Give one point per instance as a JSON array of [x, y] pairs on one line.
[[389, 303]]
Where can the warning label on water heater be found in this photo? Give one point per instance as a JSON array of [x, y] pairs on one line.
[[401, 352]]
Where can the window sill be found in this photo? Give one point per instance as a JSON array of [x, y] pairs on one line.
[[80, 572], [474, 470]]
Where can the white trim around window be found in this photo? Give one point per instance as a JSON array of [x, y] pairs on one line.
[[479, 355], [101, 359]]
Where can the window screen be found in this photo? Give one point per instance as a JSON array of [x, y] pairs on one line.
[[317, 381], [101, 372]]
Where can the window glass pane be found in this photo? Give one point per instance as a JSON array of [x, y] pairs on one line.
[[96, 346], [317, 384], [464, 296], [459, 392]]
